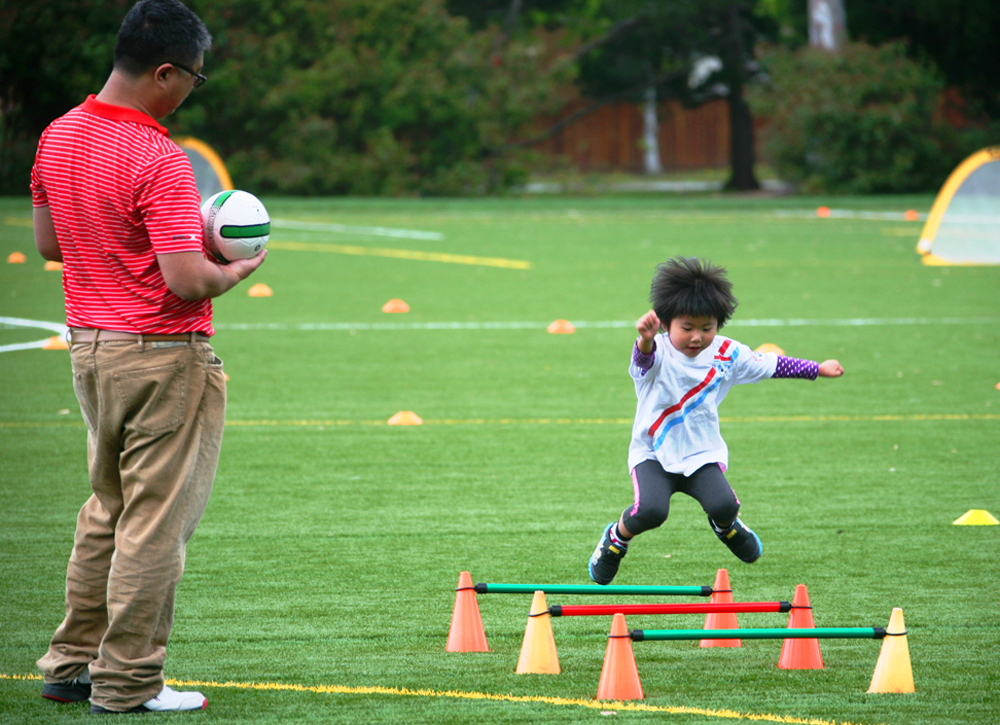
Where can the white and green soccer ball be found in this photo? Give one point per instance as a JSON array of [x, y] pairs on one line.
[[236, 225]]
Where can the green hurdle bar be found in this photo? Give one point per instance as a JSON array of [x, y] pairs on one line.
[[640, 635], [592, 589]]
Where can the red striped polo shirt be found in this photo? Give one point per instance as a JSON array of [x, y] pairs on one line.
[[120, 192]]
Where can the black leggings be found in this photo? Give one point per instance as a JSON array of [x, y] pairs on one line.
[[654, 487]]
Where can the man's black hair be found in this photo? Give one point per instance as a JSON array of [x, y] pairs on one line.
[[159, 31], [692, 287]]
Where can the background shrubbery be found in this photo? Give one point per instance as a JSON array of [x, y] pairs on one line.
[[359, 97], [864, 121], [437, 97], [365, 97]]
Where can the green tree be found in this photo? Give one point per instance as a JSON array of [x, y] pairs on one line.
[[357, 97], [52, 54], [304, 97], [658, 45], [859, 122], [958, 37]]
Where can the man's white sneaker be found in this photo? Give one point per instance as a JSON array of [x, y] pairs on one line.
[[172, 701], [169, 700]]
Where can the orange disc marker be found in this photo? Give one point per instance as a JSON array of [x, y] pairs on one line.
[[395, 306], [561, 327]]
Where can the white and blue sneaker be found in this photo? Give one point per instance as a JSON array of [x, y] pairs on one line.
[[606, 557]]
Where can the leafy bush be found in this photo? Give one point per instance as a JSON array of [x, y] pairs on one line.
[[305, 96], [358, 97], [860, 122]]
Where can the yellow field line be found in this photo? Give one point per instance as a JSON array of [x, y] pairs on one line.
[[402, 254], [563, 421], [604, 705], [17, 222]]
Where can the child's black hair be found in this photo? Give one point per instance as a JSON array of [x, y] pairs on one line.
[[693, 287]]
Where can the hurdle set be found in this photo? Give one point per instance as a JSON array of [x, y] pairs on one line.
[[619, 676]]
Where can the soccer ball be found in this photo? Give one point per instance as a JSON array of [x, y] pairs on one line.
[[236, 225]]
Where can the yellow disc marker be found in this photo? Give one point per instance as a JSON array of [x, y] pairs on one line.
[[976, 517]]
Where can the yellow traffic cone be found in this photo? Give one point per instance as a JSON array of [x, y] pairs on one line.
[[538, 651], [893, 672], [260, 290]]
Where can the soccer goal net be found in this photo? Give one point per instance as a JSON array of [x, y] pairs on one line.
[[963, 226]]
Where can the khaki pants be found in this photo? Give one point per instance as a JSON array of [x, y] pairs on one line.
[[154, 414]]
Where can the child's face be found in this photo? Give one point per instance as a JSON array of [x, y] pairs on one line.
[[691, 335]]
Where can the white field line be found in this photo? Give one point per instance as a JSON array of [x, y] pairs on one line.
[[362, 326], [366, 231], [57, 327], [61, 329]]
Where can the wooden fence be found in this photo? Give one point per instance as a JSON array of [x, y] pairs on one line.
[[610, 138]]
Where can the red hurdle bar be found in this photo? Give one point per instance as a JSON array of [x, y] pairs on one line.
[[585, 610]]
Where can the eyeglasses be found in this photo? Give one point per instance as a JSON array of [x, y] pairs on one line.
[[199, 79]]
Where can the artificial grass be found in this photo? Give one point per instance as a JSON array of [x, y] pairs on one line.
[[332, 544]]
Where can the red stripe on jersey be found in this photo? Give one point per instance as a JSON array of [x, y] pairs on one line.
[[120, 192], [692, 392], [678, 405]]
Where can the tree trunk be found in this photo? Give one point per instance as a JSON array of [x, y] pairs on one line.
[[741, 146], [741, 151], [651, 134]]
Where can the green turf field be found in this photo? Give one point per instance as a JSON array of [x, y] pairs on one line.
[[320, 584]]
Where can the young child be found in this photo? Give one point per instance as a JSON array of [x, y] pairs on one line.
[[681, 376]]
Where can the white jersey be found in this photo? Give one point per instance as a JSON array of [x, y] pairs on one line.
[[677, 414]]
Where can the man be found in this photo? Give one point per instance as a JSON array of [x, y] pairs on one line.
[[115, 201]]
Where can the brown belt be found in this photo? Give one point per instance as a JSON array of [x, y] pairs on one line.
[[87, 335]]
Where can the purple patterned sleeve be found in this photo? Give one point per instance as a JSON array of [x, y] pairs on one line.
[[791, 367], [643, 360]]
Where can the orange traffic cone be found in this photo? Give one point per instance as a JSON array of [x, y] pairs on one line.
[[722, 593], [893, 672], [801, 654], [466, 633], [538, 651], [619, 678]]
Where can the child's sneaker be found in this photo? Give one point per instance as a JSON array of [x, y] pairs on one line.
[[740, 539], [606, 557]]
